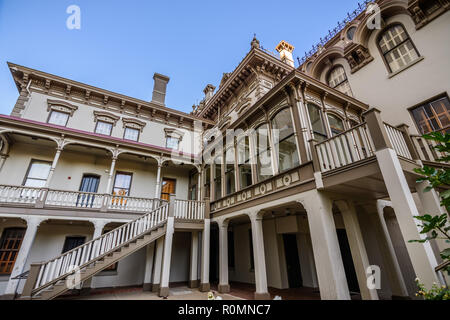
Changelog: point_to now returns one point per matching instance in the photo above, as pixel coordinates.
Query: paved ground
(178, 293)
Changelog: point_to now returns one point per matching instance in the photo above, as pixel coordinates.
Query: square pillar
(167, 253)
(327, 254)
(158, 264)
(204, 278)
(193, 272)
(150, 250)
(421, 255)
(357, 248)
(259, 258)
(224, 286)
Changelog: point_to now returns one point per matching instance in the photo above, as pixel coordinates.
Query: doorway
(292, 261)
(347, 260)
(167, 188)
(89, 184)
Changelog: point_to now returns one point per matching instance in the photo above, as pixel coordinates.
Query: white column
(98, 228)
(204, 277)
(193, 272)
(224, 286)
(158, 182)
(259, 258)
(394, 273)
(52, 168)
(421, 255)
(307, 264)
(158, 264)
(110, 175)
(167, 254)
(431, 204)
(150, 249)
(357, 248)
(327, 254)
(27, 242)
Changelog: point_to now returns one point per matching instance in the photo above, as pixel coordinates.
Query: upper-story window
(173, 138)
(337, 79)
(60, 112)
(336, 124)
(245, 168)
(397, 48)
(103, 127)
(207, 180)
(132, 128)
(433, 116)
(104, 122)
(230, 181)
(315, 116)
(218, 178)
(37, 173)
(350, 33)
(263, 152)
(284, 140)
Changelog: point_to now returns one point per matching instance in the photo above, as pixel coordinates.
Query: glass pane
(264, 163)
(287, 154)
(39, 170)
(172, 143)
(33, 183)
(283, 124)
(58, 118)
(245, 172)
(316, 122)
(131, 134)
(103, 128)
(243, 150)
(336, 124)
(122, 184)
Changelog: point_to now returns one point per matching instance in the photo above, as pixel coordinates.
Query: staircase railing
(48, 273)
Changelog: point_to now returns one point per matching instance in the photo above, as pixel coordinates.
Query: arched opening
(337, 79)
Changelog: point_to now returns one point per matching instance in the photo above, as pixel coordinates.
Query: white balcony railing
(19, 194)
(132, 204)
(189, 209)
(74, 199)
(348, 147)
(398, 141)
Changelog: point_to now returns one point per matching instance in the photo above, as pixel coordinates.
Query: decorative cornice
(66, 107)
(133, 123)
(106, 116)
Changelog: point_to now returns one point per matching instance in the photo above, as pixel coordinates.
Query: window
(207, 182)
(230, 181)
(103, 127)
(315, 116)
(218, 178)
(263, 155)
(337, 79)
(245, 168)
(284, 140)
(37, 173)
(336, 124)
(9, 248)
(89, 184)
(433, 116)
(193, 180)
(72, 242)
(230, 249)
(167, 188)
(397, 48)
(131, 134)
(172, 143)
(58, 118)
(122, 184)
(351, 33)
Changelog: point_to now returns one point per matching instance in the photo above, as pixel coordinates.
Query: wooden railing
(398, 141)
(348, 147)
(74, 199)
(59, 268)
(125, 203)
(426, 148)
(19, 194)
(189, 209)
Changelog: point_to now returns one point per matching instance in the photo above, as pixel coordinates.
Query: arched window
(337, 79)
(315, 116)
(351, 33)
(397, 48)
(336, 124)
(263, 155)
(284, 140)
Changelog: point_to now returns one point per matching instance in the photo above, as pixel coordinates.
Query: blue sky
(121, 44)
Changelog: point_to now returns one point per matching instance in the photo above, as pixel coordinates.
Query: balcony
(42, 198)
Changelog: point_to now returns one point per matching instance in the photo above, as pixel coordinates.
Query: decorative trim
(106, 116)
(173, 133)
(133, 123)
(61, 106)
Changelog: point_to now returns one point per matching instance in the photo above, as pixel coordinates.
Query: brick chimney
(159, 88)
(209, 91)
(285, 49)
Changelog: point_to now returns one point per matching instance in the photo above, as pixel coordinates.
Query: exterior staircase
(50, 279)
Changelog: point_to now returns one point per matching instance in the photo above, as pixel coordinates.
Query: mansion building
(281, 177)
